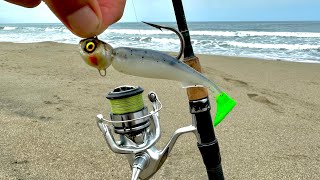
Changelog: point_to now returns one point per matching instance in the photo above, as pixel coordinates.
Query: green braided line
(127, 105)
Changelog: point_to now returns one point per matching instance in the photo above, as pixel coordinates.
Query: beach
(49, 99)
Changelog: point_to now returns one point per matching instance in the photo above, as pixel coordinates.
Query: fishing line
(138, 118)
(134, 9)
(127, 105)
(135, 13)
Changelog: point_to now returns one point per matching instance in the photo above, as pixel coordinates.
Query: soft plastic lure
(151, 64)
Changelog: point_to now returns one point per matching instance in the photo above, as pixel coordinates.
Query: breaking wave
(137, 31)
(275, 46)
(9, 28)
(255, 34)
(219, 33)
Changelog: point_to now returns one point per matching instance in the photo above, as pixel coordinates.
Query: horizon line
(231, 21)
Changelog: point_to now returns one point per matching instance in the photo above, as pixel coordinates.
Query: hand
(85, 18)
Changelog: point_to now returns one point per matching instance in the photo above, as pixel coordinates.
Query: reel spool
(126, 106)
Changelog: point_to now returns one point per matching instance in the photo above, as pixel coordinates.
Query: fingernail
(84, 22)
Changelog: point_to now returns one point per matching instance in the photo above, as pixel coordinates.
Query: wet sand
(49, 99)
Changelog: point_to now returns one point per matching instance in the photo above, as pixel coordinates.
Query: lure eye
(90, 47)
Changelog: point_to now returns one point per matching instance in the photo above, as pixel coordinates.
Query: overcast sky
(196, 10)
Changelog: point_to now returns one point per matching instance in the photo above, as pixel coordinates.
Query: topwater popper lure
(152, 64)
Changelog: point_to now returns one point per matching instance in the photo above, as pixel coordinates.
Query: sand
(49, 99)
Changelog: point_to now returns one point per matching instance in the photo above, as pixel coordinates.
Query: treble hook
(175, 31)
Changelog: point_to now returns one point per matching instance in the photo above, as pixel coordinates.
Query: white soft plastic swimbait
(142, 62)
(150, 64)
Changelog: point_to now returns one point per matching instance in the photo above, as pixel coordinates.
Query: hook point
(153, 25)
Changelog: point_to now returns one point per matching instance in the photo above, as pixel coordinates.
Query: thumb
(25, 3)
(84, 17)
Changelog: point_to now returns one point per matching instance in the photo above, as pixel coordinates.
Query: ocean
(291, 41)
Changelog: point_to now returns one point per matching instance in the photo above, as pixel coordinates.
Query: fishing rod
(200, 105)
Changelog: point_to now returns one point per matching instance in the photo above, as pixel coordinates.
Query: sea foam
(275, 46)
(9, 28)
(219, 33)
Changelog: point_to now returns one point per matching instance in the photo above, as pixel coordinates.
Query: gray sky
(196, 10)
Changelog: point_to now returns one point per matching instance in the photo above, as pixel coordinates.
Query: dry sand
(49, 99)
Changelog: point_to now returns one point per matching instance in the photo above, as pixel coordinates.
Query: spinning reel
(137, 130)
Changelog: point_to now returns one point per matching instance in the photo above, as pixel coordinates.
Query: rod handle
(195, 93)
